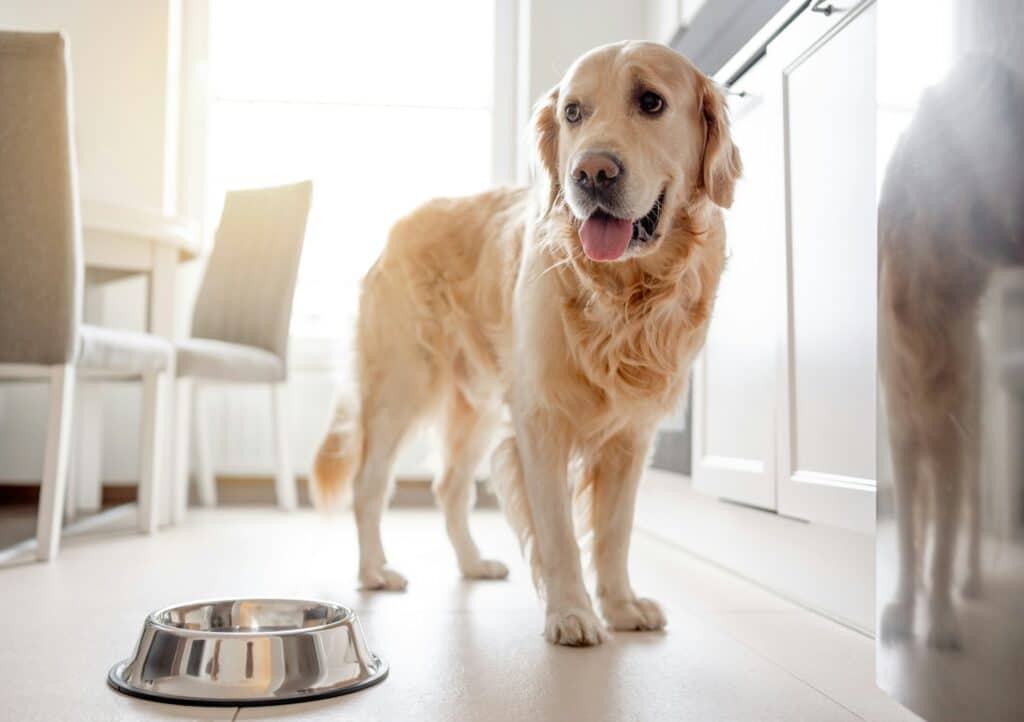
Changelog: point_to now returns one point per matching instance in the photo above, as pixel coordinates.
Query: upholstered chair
(240, 327)
(41, 269)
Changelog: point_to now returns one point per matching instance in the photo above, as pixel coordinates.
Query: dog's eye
(651, 103)
(573, 113)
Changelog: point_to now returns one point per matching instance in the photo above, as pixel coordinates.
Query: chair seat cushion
(128, 352)
(221, 361)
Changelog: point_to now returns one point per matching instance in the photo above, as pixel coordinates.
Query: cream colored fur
(489, 300)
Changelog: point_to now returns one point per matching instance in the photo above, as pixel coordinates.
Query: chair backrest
(40, 236)
(247, 291)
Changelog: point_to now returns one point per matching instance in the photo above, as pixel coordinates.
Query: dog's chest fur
(631, 342)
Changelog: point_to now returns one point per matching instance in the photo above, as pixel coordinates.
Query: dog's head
(632, 133)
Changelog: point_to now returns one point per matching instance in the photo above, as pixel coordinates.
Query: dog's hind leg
(946, 452)
(387, 419)
(466, 435)
(971, 432)
(898, 617)
(973, 585)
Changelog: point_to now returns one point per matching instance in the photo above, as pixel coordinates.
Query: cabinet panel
(734, 431)
(827, 380)
(784, 394)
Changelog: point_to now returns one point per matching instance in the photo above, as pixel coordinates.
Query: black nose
(596, 172)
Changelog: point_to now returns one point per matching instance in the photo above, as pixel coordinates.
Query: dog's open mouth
(606, 238)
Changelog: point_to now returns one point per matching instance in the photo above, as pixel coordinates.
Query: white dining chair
(41, 334)
(240, 328)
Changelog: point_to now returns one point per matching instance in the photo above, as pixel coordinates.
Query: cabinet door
(734, 397)
(826, 434)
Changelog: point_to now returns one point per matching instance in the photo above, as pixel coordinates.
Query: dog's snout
(596, 172)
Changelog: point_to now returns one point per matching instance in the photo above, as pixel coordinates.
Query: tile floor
(458, 650)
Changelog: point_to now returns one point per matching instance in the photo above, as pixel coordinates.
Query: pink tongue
(605, 238)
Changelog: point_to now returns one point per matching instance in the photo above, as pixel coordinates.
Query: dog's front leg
(614, 472)
(544, 452)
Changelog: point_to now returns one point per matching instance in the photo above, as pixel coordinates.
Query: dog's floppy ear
(545, 133)
(722, 164)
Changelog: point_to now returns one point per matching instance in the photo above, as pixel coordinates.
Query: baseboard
(19, 493)
(244, 490)
(409, 492)
(27, 494)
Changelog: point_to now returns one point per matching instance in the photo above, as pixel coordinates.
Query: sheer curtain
(383, 104)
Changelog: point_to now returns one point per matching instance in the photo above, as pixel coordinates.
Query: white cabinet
(827, 379)
(785, 393)
(734, 382)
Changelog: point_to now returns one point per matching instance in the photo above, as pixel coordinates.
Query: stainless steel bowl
(247, 652)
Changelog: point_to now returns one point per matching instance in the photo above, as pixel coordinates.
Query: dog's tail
(339, 457)
(510, 486)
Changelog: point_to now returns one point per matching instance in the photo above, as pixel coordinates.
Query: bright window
(383, 105)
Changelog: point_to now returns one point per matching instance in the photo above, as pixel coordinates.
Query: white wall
(665, 16)
(119, 66)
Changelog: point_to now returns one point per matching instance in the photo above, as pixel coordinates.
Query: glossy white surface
(826, 442)
(458, 650)
(784, 401)
(734, 384)
(951, 579)
(830, 98)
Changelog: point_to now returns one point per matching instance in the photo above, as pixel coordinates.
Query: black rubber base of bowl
(118, 686)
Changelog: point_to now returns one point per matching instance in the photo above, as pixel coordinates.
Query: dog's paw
(574, 627)
(897, 620)
(382, 578)
(629, 615)
(485, 569)
(944, 629)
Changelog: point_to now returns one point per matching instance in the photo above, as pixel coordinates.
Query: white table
(118, 242)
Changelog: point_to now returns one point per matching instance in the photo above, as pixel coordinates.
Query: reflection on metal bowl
(248, 652)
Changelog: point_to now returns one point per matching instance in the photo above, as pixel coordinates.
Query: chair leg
(182, 451)
(55, 465)
(284, 484)
(204, 458)
(151, 456)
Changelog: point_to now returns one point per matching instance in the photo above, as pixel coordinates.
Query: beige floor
(458, 650)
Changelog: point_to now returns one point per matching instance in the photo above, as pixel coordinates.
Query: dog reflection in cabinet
(951, 212)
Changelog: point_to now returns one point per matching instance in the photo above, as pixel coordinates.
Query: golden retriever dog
(950, 213)
(579, 304)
